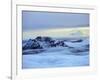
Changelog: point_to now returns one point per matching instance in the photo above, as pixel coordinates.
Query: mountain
(42, 42)
(32, 44)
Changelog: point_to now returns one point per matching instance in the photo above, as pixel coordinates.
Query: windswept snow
(47, 61)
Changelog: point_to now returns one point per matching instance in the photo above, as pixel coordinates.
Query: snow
(75, 55)
(78, 44)
(40, 61)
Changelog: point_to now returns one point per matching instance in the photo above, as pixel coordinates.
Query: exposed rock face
(41, 42)
(61, 43)
(50, 42)
(32, 44)
(39, 38)
(46, 39)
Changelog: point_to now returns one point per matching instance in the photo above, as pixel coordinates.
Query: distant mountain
(42, 42)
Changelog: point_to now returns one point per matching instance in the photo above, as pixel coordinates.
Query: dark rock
(61, 43)
(46, 39)
(39, 38)
(52, 43)
(32, 44)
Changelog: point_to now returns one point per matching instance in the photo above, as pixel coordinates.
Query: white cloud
(58, 32)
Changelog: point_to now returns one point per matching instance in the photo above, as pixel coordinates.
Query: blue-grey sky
(45, 20)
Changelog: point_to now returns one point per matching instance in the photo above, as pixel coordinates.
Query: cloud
(57, 33)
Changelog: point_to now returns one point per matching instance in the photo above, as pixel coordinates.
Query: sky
(55, 25)
(49, 20)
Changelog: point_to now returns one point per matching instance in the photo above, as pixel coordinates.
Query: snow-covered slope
(55, 53)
